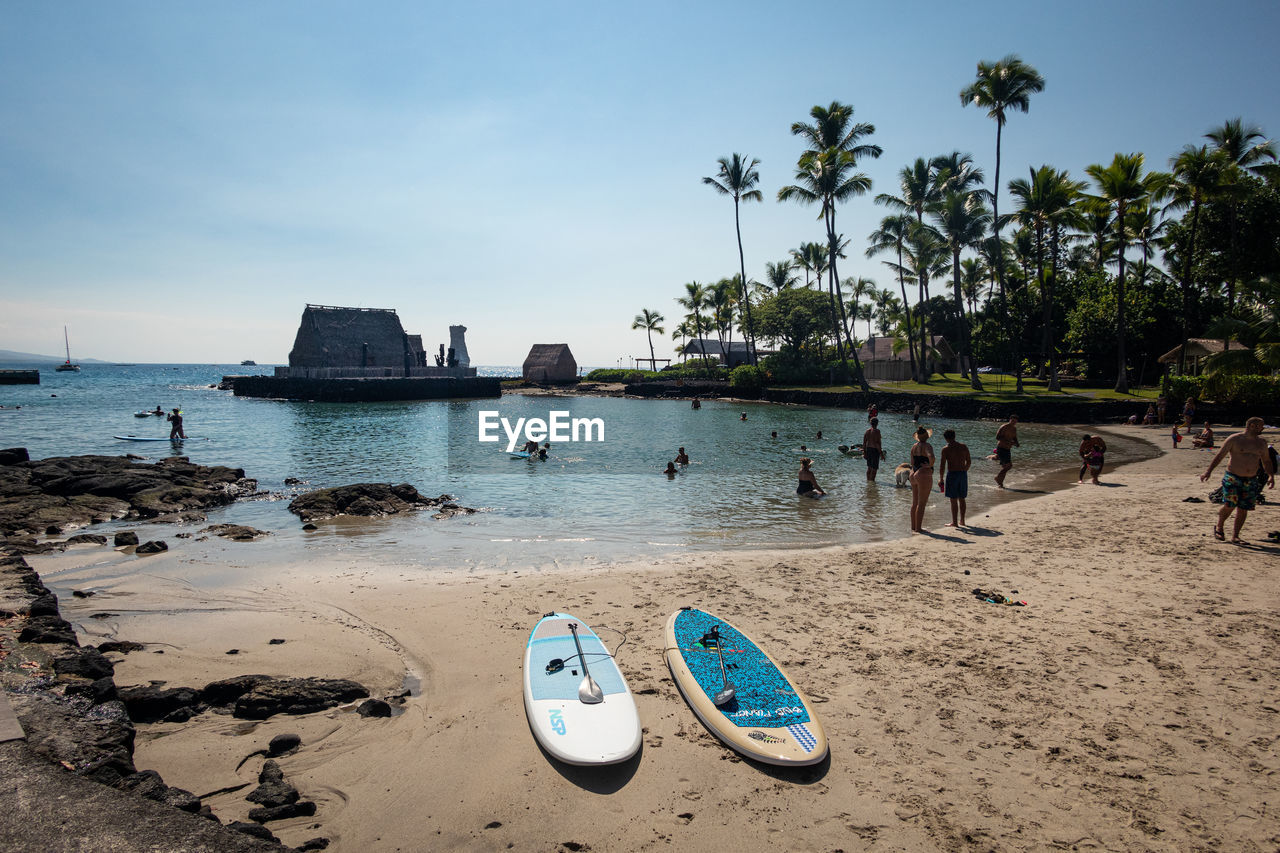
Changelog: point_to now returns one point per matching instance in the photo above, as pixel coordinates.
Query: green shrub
(1182, 387)
(747, 377)
(1227, 389)
(609, 374)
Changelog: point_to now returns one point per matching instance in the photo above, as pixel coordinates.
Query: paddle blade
(725, 696)
(589, 693)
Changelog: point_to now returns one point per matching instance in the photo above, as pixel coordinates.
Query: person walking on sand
(1092, 454)
(1006, 440)
(871, 449)
(1241, 487)
(175, 431)
(921, 478)
(954, 483)
(808, 486)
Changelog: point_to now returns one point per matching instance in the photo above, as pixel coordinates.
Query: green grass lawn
(999, 388)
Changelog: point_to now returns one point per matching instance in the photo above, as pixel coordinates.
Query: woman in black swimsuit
(921, 477)
(808, 487)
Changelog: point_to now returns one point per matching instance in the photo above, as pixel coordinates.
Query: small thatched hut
(550, 363)
(353, 337)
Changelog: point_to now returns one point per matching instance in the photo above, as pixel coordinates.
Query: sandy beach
(1131, 705)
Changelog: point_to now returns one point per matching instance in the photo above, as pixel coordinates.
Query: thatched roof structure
(550, 363)
(881, 349)
(1199, 348)
(330, 336)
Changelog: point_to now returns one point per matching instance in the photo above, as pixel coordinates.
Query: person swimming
(682, 458)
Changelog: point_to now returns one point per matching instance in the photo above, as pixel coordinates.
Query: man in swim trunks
(176, 431)
(1006, 440)
(1240, 486)
(955, 483)
(682, 458)
(871, 449)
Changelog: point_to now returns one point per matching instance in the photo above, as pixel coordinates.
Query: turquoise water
(599, 500)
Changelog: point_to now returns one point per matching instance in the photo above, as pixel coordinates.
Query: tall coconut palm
(694, 300)
(1197, 175)
(926, 258)
(1002, 87)
(1122, 184)
(955, 172)
(1045, 203)
(827, 166)
(828, 178)
(1245, 148)
(890, 235)
(737, 179)
(973, 273)
(859, 288)
(918, 189)
(650, 321)
(961, 219)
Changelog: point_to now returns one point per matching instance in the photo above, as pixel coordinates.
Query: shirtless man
(682, 458)
(871, 449)
(954, 483)
(1006, 440)
(1240, 486)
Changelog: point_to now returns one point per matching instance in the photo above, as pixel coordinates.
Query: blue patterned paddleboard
(768, 718)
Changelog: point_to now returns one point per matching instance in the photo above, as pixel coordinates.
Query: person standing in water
(808, 486)
(954, 483)
(921, 477)
(176, 431)
(1006, 440)
(871, 449)
(682, 458)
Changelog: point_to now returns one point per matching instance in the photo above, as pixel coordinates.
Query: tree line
(1098, 275)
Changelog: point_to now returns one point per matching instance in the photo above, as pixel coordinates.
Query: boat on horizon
(248, 362)
(67, 365)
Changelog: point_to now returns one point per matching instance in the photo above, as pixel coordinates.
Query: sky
(180, 180)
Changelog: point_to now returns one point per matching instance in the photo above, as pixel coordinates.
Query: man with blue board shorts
(954, 483)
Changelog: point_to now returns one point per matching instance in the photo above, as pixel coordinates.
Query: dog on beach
(902, 474)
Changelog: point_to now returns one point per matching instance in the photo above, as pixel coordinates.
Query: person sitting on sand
(922, 459)
(1205, 438)
(1006, 440)
(671, 469)
(954, 483)
(682, 458)
(1150, 417)
(808, 486)
(1241, 488)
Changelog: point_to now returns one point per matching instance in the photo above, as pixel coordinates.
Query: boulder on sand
(367, 499)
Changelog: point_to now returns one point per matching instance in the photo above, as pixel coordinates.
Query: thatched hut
(550, 363)
(329, 336)
(1198, 349)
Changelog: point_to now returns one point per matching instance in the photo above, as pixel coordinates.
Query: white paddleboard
(570, 730)
(141, 438)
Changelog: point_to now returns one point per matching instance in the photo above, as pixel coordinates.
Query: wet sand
(1129, 706)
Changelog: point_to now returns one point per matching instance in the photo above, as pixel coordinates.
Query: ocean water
(589, 501)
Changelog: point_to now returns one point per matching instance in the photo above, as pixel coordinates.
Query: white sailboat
(67, 365)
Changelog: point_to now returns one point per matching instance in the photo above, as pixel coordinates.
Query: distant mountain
(10, 357)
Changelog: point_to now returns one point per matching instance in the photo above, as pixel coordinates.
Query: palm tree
(1122, 185)
(859, 288)
(919, 190)
(1245, 148)
(1197, 175)
(1046, 203)
(780, 276)
(683, 332)
(973, 272)
(737, 178)
(867, 313)
(926, 257)
(651, 322)
(812, 258)
(694, 300)
(962, 221)
(887, 307)
(890, 235)
(955, 172)
(825, 170)
(1002, 87)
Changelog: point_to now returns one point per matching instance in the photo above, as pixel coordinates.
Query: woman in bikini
(808, 486)
(921, 477)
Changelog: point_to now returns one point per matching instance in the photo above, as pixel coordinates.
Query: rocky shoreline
(65, 696)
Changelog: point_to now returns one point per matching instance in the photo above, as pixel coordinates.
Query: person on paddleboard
(176, 431)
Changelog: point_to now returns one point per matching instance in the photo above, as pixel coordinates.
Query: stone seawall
(364, 390)
(1064, 411)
